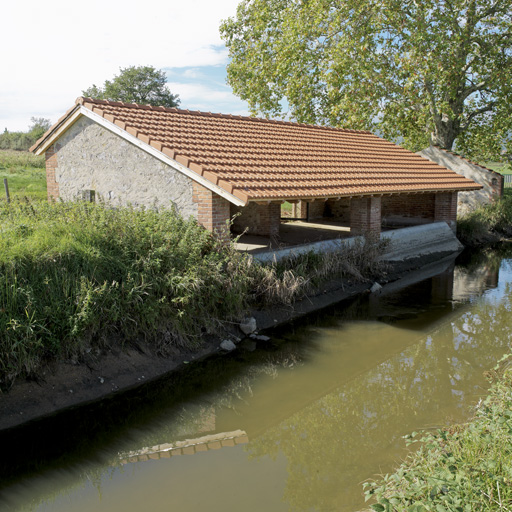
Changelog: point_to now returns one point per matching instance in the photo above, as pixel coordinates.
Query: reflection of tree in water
(331, 444)
(349, 434)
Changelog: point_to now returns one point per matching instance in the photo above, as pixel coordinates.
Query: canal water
(296, 423)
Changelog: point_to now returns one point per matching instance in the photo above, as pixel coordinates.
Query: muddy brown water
(296, 423)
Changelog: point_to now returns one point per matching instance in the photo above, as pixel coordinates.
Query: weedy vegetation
(80, 276)
(25, 173)
(487, 224)
(461, 469)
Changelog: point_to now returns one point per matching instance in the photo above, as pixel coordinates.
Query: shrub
(79, 275)
(76, 275)
(486, 224)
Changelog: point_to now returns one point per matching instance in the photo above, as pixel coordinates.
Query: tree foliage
(144, 85)
(21, 141)
(419, 71)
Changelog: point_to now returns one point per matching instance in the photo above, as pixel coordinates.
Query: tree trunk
(445, 132)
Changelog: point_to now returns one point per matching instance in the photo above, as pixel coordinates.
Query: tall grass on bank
(301, 275)
(74, 276)
(486, 224)
(461, 469)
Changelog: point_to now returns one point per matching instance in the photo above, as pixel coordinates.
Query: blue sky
(53, 50)
(204, 88)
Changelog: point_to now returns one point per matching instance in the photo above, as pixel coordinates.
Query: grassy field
(25, 175)
(501, 167)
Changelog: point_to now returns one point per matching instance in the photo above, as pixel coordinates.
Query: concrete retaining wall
(409, 243)
(420, 241)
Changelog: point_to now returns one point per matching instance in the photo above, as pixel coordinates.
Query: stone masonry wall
(491, 182)
(89, 157)
(339, 209)
(316, 209)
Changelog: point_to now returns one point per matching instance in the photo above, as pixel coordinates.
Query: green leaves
(417, 71)
(144, 85)
(73, 275)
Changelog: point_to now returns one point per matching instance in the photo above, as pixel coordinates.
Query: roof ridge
(81, 100)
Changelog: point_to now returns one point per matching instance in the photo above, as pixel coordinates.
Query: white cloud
(55, 49)
(202, 97)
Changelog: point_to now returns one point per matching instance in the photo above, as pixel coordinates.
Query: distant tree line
(22, 141)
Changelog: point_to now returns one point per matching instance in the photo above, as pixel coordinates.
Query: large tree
(420, 71)
(144, 85)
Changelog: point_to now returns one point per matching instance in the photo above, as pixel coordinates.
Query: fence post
(7, 191)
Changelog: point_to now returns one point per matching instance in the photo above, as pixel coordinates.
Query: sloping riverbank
(109, 371)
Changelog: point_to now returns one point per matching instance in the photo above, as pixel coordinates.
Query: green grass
(501, 167)
(461, 469)
(25, 175)
(78, 276)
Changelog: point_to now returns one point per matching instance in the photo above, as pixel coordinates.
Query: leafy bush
(75, 275)
(486, 224)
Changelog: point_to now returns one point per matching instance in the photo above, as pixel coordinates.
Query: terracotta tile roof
(258, 159)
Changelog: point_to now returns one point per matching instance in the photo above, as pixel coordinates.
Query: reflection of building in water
(187, 447)
(474, 282)
(410, 299)
(462, 283)
(442, 287)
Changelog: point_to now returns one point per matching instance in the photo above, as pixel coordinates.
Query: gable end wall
(467, 201)
(89, 157)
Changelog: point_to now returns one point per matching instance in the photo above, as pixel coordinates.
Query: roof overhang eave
(283, 199)
(42, 144)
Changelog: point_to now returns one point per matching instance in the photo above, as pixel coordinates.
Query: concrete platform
(293, 233)
(296, 237)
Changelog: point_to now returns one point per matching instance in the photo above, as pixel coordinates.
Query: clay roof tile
(262, 158)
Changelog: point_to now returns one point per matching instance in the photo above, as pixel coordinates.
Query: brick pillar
(365, 216)
(213, 211)
(302, 210)
(445, 209)
(51, 165)
(270, 219)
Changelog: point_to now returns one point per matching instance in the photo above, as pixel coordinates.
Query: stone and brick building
(491, 182)
(218, 167)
